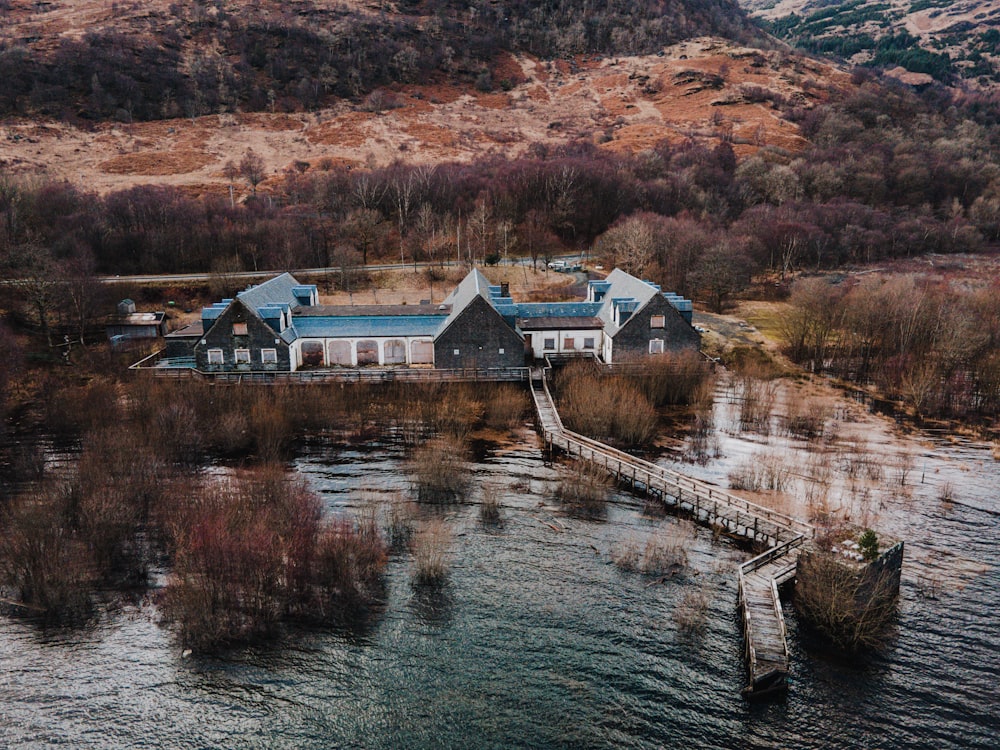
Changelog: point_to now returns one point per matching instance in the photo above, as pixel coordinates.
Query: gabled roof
(277, 291)
(628, 293)
(472, 286)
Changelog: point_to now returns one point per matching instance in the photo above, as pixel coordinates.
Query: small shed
(137, 325)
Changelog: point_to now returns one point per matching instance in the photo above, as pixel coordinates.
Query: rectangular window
(657, 321)
(239, 329)
(549, 343)
(500, 350)
(569, 344)
(456, 352)
(215, 356)
(269, 356)
(656, 346)
(242, 356)
(588, 343)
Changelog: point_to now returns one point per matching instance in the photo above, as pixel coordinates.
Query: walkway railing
(758, 578)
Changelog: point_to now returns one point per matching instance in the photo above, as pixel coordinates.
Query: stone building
(278, 326)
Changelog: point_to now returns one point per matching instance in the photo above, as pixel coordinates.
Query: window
(569, 344)
(500, 350)
(549, 344)
(242, 356)
(239, 329)
(657, 321)
(215, 356)
(588, 343)
(457, 352)
(656, 346)
(269, 356)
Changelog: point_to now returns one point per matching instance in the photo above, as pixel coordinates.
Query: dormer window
(239, 329)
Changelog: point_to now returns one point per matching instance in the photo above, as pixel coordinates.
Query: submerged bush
(584, 488)
(440, 472)
(253, 550)
(430, 552)
(851, 606)
(45, 565)
(608, 407)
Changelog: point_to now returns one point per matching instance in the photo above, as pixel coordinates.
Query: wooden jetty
(766, 648)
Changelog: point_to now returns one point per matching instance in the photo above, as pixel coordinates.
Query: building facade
(279, 326)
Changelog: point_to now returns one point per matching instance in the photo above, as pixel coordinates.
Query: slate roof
(363, 326)
(549, 309)
(621, 287)
(354, 311)
(556, 323)
(277, 291)
(194, 329)
(472, 286)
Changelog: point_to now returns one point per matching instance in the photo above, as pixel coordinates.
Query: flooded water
(538, 640)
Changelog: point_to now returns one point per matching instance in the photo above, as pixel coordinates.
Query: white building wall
(558, 339)
(379, 341)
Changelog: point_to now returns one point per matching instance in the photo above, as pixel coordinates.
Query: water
(536, 640)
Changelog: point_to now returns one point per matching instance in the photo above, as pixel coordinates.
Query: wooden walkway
(766, 647)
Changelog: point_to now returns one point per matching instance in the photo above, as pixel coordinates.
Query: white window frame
(241, 356)
(656, 346)
(657, 321)
(500, 350)
(240, 329)
(457, 352)
(216, 357)
(269, 356)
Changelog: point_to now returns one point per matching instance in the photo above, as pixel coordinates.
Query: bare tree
(252, 169)
(367, 228)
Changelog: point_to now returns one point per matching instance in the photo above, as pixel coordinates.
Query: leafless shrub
(661, 552)
(431, 552)
(605, 407)
(440, 473)
(44, 565)
(902, 465)
(806, 418)
(946, 493)
(506, 408)
(761, 471)
(491, 504)
(584, 488)
(691, 612)
(859, 461)
(853, 609)
(756, 397)
(676, 378)
(252, 550)
(400, 516)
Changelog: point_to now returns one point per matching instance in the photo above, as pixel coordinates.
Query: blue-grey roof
(472, 286)
(317, 326)
(549, 309)
(277, 291)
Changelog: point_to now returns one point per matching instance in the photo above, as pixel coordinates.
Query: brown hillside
(694, 90)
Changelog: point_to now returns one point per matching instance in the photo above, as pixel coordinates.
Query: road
(176, 278)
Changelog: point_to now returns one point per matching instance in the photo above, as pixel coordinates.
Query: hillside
(705, 89)
(94, 60)
(915, 40)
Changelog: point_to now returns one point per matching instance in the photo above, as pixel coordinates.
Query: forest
(215, 57)
(889, 173)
